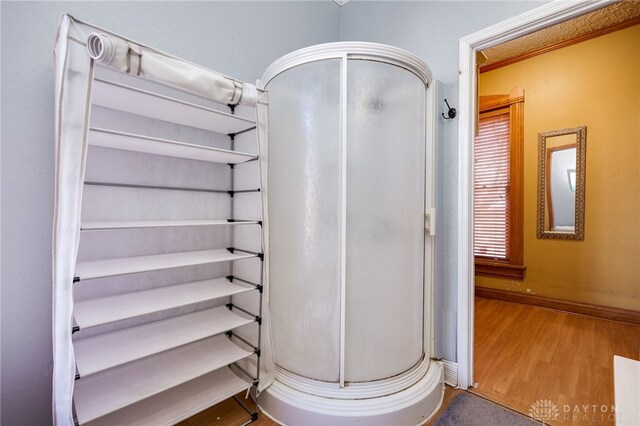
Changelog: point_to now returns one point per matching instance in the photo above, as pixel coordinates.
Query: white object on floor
(626, 382)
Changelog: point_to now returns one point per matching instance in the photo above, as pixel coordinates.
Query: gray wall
(431, 30)
(236, 38)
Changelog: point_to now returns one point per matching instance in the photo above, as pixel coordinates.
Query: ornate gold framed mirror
(561, 181)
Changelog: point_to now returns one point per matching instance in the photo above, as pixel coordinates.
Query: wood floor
(524, 354)
(227, 413)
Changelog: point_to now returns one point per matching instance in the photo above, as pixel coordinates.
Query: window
(491, 186)
(498, 186)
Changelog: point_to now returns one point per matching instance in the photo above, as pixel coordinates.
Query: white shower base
(411, 406)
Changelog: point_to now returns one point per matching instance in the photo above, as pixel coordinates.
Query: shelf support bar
(171, 188)
(258, 287)
(245, 162)
(256, 254)
(253, 379)
(233, 135)
(257, 222)
(244, 191)
(76, 422)
(230, 334)
(253, 414)
(257, 318)
(260, 313)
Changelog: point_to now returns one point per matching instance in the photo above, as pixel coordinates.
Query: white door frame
(534, 20)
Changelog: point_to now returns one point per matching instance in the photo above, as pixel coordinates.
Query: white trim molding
(343, 216)
(534, 20)
(353, 50)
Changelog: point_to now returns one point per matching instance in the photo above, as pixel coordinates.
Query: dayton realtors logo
(544, 410)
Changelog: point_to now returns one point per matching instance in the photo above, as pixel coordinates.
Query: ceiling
(627, 11)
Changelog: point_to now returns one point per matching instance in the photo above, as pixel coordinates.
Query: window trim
(514, 267)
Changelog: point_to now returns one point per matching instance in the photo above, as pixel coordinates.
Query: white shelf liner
(179, 403)
(132, 265)
(96, 226)
(91, 313)
(104, 393)
(136, 101)
(98, 353)
(132, 142)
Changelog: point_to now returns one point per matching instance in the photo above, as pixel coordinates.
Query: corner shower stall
(350, 193)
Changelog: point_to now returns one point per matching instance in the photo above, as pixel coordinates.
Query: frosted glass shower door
(385, 220)
(304, 209)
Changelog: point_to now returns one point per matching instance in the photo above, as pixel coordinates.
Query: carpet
(466, 409)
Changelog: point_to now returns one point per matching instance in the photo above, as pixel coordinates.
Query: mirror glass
(561, 183)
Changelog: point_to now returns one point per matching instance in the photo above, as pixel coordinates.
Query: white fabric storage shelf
(137, 101)
(178, 403)
(91, 313)
(139, 143)
(158, 346)
(132, 265)
(95, 354)
(104, 393)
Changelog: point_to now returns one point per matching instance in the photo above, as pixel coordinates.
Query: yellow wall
(594, 83)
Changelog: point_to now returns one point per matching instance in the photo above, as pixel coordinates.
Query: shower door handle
(430, 221)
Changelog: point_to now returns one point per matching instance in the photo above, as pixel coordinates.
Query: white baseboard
(450, 372)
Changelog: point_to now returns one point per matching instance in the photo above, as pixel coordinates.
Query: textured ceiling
(585, 24)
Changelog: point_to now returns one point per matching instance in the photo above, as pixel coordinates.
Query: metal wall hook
(451, 113)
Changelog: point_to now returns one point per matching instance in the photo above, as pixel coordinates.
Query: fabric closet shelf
(131, 265)
(139, 143)
(178, 403)
(136, 224)
(132, 100)
(91, 313)
(104, 393)
(99, 353)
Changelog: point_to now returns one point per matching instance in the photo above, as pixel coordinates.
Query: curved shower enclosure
(350, 181)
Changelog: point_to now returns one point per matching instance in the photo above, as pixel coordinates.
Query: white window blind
(491, 187)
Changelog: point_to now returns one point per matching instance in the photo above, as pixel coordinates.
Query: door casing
(534, 20)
